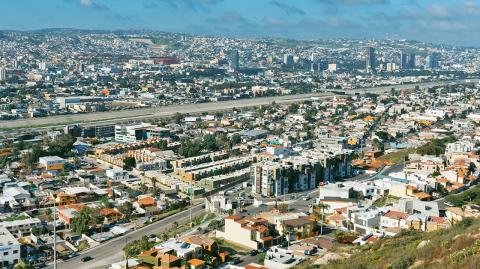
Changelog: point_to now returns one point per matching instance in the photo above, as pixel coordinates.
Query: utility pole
(126, 253)
(54, 231)
(191, 202)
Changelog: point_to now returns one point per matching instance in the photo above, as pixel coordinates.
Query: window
(15, 251)
(5, 253)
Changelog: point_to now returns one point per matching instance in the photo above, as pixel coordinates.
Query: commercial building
(370, 60)
(233, 64)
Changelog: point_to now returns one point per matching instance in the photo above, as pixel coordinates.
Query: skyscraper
(403, 59)
(3, 73)
(411, 59)
(234, 61)
(370, 61)
(288, 60)
(431, 61)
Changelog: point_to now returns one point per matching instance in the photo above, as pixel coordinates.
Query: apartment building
(20, 228)
(9, 249)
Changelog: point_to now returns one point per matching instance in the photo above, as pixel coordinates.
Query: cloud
(289, 10)
(438, 11)
(193, 5)
(353, 2)
(92, 4)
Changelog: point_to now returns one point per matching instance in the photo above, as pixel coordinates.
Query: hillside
(456, 247)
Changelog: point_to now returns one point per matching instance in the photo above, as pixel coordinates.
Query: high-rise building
(370, 61)
(403, 59)
(3, 73)
(431, 61)
(411, 60)
(234, 61)
(288, 60)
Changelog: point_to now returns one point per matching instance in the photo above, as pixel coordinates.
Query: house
(157, 258)
(219, 203)
(110, 215)
(299, 228)
(180, 249)
(366, 222)
(279, 258)
(253, 233)
(52, 162)
(394, 219)
(196, 264)
(208, 245)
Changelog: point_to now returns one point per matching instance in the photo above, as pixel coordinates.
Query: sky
(454, 22)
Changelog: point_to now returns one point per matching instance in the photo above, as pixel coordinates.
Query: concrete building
(52, 162)
(279, 258)
(9, 249)
(252, 233)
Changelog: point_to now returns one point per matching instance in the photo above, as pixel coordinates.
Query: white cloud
(87, 3)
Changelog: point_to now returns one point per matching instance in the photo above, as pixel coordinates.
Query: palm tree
(319, 212)
(154, 181)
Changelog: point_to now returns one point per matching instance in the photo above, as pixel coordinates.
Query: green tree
(126, 209)
(81, 223)
(61, 145)
(106, 202)
(129, 163)
(22, 265)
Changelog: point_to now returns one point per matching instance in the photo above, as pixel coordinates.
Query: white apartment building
(21, 228)
(9, 249)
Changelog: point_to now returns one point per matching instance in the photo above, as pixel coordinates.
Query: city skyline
(430, 21)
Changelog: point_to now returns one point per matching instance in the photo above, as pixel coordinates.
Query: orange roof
(233, 217)
(108, 211)
(396, 215)
(147, 201)
(196, 262)
(169, 258)
(439, 220)
(442, 180)
(422, 195)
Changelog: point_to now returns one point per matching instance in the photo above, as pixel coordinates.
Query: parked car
(86, 259)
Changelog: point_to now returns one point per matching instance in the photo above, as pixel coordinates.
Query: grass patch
(385, 200)
(398, 156)
(232, 248)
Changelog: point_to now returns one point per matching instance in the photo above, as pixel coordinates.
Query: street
(111, 251)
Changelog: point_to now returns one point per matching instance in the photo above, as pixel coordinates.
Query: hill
(455, 247)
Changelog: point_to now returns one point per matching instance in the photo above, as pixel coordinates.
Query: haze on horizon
(439, 21)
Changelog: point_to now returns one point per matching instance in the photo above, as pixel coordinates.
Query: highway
(165, 111)
(111, 251)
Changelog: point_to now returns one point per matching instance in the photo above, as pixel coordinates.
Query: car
(253, 252)
(306, 198)
(86, 259)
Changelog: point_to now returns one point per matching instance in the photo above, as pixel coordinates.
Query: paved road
(148, 113)
(111, 251)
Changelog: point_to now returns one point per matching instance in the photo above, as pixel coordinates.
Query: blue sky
(441, 21)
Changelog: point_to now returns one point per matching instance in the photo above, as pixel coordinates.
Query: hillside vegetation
(456, 247)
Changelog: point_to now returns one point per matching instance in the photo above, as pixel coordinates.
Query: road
(111, 251)
(165, 111)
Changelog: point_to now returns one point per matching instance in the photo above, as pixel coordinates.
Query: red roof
(396, 215)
